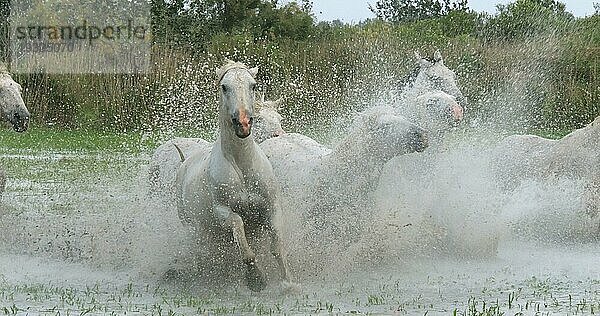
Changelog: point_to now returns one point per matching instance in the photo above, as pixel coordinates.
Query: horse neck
(408, 99)
(417, 88)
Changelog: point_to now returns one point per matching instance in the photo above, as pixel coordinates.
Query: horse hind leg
(254, 276)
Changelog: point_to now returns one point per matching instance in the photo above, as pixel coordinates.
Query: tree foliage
(4, 49)
(413, 10)
(185, 22)
(526, 18)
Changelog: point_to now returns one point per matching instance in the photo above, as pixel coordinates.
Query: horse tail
(181, 156)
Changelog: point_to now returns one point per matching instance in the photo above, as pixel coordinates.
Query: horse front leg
(277, 252)
(233, 222)
(2, 182)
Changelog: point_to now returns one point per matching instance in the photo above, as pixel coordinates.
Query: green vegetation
(162, 300)
(415, 10)
(56, 140)
(531, 58)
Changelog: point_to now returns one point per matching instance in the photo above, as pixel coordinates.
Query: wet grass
(42, 139)
(151, 299)
(38, 139)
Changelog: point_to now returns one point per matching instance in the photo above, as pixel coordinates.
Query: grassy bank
(76, 140)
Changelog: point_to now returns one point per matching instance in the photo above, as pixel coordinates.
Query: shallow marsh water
(79, 235)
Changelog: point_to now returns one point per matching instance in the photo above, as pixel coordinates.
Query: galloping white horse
(567, 168)
(167, 158)
(12, 108)
(230, 190)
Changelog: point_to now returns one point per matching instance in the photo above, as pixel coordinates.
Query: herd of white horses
(231, 192)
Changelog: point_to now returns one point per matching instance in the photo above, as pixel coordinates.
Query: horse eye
(253, 87)
(224, 88)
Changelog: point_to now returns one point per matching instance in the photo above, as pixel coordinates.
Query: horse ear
(417, 55)
(422, 61)
(260, 97)
(279, 104)
(437, 57)
(253, 71)
(259, 101)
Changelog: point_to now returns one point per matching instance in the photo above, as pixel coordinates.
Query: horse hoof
(172, 275)
(255, 278)
(290, 288)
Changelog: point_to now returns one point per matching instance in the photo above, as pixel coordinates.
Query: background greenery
(529, 66)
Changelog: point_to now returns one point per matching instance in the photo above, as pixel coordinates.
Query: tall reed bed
(545, 82)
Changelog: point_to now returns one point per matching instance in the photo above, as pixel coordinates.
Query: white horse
(433, 100)
(268, 119)
(521, 157)
(230, 191)
(347, 177)
(330, 190)
(294, 158)
(375, 136)
(567, 170)
(167, 158)
(12, 108)
(11, 103)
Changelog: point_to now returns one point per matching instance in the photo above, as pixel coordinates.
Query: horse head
(434, 77)
(440, 106)
(11, 103)
(268, 120)
(237, 96)
(388, 133)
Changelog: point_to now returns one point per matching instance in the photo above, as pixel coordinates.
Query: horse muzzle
(278, 132)
(242, 125)
(20, 123)
(457, 112)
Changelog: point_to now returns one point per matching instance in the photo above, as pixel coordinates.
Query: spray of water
(446, 201)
